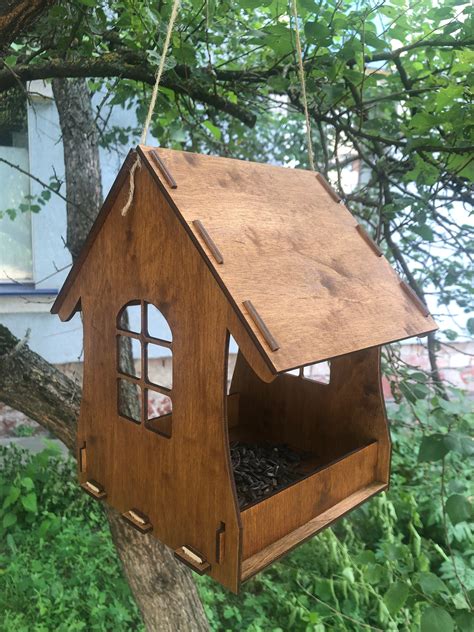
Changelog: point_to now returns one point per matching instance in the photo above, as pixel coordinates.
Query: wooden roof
(302, 276)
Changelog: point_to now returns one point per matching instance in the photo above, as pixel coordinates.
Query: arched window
(144, 367)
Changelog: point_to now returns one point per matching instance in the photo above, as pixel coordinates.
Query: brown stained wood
(233, 410)
(416, 299)
(83, 458)
(277, 549)
(365, 235)
(216, 253)
(258, 320)
(220, 544)
(137, 520)
(193, 559)
(163, 168)
(184, 494)
(94, 489)
(319, 292)
(269, 520)
(325, 184)
(292, 250)
(326, 420)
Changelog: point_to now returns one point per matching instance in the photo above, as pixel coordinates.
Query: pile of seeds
(261, 469)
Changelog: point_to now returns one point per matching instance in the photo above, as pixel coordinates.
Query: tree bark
(81, 159)
(18, 15)
(163, 588)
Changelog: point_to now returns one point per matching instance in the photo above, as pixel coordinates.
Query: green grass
(387, 566)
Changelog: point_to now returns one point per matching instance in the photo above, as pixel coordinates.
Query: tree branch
(128, 66)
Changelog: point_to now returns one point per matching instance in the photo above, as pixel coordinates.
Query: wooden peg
(83, 458)
(163, 168)
(198, 225)
(258, 320)
(94, 489)
(365, 235)
(416, 299)
(138, 520)
(192, 558)
(325, 184)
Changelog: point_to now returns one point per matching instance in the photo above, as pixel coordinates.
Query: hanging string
(151, 107)
(303, 87)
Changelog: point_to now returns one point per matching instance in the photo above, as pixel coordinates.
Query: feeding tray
(267, 255)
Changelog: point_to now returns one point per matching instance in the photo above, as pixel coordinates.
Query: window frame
(143, 383)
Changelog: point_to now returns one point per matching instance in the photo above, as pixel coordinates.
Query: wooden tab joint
(368, 239)
(94, 489)
(192, 558)
(83, 458)
(328, 188)
(220, 543)
(258, 320)
(216, 253)
(163, 169)
(415, 298)
(137, 520)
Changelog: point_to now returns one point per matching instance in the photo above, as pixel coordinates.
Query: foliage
(397, 563)
(58, 566)
(388, 92)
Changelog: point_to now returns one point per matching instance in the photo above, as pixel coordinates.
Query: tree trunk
(81, 159)
(163, 588)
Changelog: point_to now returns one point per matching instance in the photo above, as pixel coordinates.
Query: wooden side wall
(328, 420)
(183, 483)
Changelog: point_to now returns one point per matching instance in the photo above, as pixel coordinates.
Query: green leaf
(27, 483)
(424, 231)
(215, 131)
(8, 520)
(465, 621)
(11, 497)
(458, 508)
(317, 32)
(431, 583)
(435, 619)
(432, 448)
(396, 596)
(29, 502)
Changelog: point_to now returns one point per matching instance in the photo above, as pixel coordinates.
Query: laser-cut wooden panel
(274, 238)
(295, 253)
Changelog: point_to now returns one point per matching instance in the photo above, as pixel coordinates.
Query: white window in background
(15, 233)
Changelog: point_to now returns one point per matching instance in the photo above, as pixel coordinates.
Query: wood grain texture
(270, 520)
(292, 250)
(274, 551)
(185, 492)
(297, 256)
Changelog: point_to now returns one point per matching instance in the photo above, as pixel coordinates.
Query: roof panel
(295, 253)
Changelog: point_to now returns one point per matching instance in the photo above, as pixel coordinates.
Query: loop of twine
(151, 107)
(309, 140)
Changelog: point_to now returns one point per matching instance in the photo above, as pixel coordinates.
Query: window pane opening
(129, 400)
(157, 325)
(130, 317)
(319, 372)
(232, 350)
(159, 366)
(159, 409)
(129, 352)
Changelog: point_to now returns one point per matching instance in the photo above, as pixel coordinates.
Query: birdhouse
(232, 472)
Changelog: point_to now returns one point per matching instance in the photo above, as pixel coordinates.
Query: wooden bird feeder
(271, 257)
